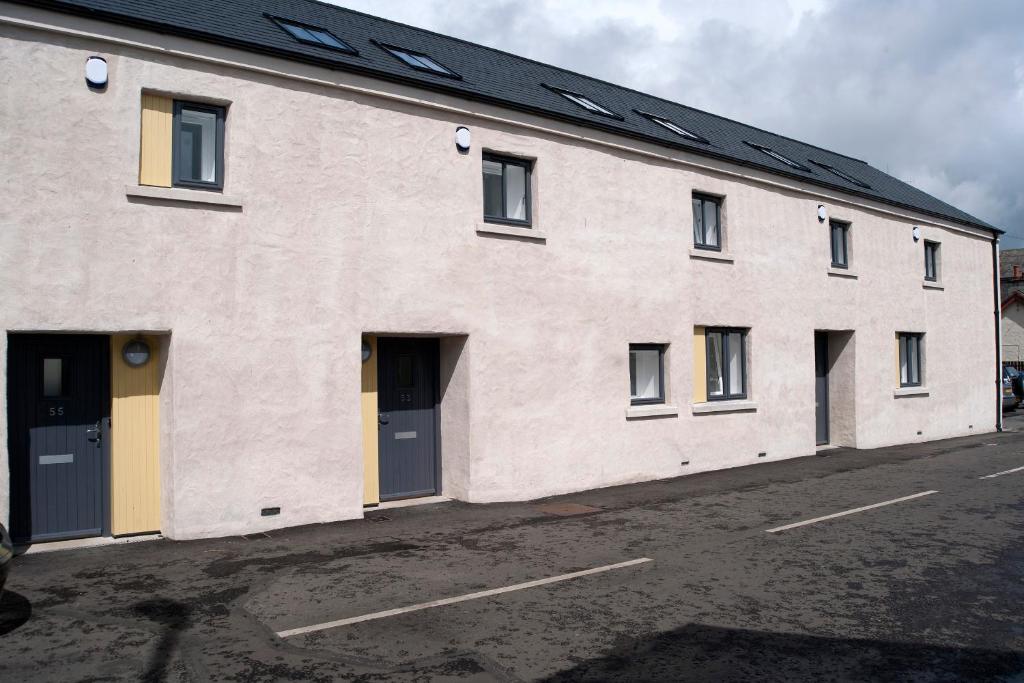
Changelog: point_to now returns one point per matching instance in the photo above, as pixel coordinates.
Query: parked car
(6, 555)
(1010, 398)
(1017, 380)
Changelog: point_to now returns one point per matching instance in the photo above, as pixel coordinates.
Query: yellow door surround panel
(371, 460)
(134, 440)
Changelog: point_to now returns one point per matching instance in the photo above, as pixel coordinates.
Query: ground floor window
(911, 348)
(646, 373)
(726, 363)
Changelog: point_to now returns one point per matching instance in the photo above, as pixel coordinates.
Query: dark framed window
(707, 222)
(840, 241)
(646, 373)
(198, 146)
(911, 365)
(931, 261)
(418, 60)
(507, 190)
(780, 157)
(313, 35)
(726, 363)
(672, 126)
(842, 174)
(584, 102)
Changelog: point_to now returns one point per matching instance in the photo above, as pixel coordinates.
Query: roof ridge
(323, 3)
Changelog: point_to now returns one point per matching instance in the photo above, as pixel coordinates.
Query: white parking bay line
(459, 598)
(848, 512)
(999, 474)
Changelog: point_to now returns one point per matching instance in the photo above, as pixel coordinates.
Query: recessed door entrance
(58, 410)
(407, 415)
(821, 407)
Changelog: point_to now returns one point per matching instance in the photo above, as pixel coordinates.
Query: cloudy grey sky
(931, 91)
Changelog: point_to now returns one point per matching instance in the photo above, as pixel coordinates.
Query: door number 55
(56, 411)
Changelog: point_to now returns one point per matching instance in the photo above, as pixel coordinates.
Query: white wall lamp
(916, 232)
(462, 139)
(822, 213)
(96, 72)
(135, 353)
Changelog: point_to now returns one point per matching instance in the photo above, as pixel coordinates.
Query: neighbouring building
(265, 263)
(1011, 280)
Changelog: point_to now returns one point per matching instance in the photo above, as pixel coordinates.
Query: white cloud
(931, 92)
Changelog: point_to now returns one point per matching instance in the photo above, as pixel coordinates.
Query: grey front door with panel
(821, 386)
(58, 390)
(407, 415)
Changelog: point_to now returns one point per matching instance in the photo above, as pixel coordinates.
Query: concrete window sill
(511, 231)
(724, 407)
(711, 255)
(928, 284)
(178, 194)
(842, 272)
(660, 410)
(910, 391)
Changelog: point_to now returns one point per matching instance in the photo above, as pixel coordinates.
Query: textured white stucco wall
(360, 216)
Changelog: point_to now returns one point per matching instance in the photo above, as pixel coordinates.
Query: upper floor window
(707, 222)
(584, 102)
(314, 35)
(727, 363)
(842, 174)
(646, 373)
(507, 190)
(911, 365)
(780, 157)
(672, 126)
(840, 240)
(931, 261)
(198, 141)
(418, 60)
(182, 143)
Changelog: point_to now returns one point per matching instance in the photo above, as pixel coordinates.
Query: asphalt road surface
(708, 577)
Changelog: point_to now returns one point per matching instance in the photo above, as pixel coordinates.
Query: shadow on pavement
(15, 610)
(708, 653)
(174, 617)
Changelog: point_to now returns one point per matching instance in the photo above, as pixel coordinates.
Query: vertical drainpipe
(999, 333)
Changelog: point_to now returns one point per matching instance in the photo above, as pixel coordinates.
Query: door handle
(94, 434)
(383, 418)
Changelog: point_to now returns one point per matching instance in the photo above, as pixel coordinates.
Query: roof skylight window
(779, 157)
(585, 102)
(674, 127)
(842, 174)
(314, 35)
(418, 60)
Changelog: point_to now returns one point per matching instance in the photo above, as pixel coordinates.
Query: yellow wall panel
(700, 366)
(371, 461)
(155, 146)
(135, 441)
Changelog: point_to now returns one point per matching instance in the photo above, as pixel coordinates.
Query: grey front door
(58, 408)
(821, 386)
(407, 413)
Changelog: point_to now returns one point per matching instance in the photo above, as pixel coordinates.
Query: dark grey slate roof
(493, 76)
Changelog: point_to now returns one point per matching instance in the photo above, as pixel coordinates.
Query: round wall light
(135, 353)
(916, 232)
(822, 213)
(96, 72)
(462, 138)
(367, 350)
